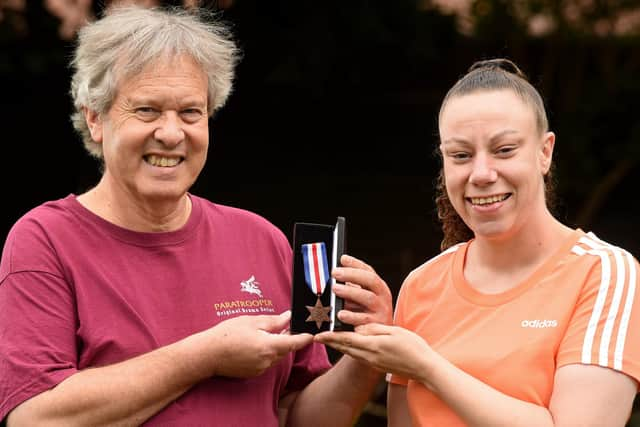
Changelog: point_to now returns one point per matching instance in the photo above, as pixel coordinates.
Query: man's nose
(170, 131)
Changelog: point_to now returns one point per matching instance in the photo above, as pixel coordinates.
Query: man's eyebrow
(146, 99)
(454, 140)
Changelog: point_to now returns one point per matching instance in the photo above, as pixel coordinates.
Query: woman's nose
(483, 171)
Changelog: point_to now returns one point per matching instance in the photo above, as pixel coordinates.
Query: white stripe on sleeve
(602, 249)
(626, 314)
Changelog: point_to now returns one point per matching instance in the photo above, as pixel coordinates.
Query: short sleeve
(606, 321)
(37, 330)
(37, 317)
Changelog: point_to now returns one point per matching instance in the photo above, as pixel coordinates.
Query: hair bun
(498, 64)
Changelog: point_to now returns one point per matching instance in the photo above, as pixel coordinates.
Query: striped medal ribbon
(316, 275)
(316, 269)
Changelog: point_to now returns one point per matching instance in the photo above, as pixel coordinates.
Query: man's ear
(94, 122)
(546, 151)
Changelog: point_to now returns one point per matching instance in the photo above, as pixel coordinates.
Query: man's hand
(246, 346)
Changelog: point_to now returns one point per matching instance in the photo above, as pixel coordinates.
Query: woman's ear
(546, 151)
(94, 122)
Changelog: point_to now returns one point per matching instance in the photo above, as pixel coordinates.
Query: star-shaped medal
(319, 313)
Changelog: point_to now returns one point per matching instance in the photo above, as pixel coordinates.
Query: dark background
(343, 97)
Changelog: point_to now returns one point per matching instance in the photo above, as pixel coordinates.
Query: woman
(521, 320)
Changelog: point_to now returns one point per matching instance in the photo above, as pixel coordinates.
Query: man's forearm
(335, 398)
(130, 392)
(126, 393)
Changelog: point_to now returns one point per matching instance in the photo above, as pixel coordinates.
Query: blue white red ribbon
(316, 269)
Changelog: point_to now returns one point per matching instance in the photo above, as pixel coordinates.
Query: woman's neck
(505, 261)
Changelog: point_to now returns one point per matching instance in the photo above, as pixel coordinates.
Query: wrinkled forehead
(170, 71)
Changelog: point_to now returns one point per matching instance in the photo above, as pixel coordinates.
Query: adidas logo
(539, 323)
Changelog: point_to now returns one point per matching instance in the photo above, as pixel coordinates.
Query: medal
(316, 275)
(318, 313)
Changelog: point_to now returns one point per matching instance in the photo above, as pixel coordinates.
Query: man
(128, 304)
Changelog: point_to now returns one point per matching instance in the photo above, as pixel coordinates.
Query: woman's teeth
(488, 200)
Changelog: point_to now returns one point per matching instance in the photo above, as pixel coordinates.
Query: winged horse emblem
(251, 286)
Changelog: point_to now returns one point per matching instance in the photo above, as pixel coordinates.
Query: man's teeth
(488, 200)
(162, 161)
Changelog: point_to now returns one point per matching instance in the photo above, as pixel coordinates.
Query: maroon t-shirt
(77, 291)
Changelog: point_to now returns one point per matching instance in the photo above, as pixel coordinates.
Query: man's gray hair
(128, 38)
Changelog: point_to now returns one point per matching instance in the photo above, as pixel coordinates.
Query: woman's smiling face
(494, 161)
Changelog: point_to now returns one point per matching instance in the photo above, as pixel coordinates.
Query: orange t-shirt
(580, 306)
